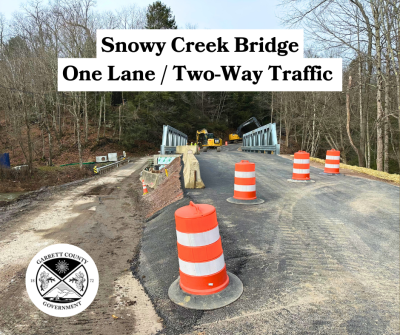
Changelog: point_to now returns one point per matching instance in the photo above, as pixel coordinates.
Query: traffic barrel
(301, 167)
(226, 143)
(201, 259)
(332, 162)
(244, 188)
(202, 267)
(144, 188)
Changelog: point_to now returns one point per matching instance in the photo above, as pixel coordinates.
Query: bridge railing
(171, 139)
(108, 167)
(262, 139)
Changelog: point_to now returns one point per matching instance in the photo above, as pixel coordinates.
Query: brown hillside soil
(44, 176)
(64, 151)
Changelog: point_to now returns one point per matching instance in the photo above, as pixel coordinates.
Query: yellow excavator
(206, 140)
(238, 135)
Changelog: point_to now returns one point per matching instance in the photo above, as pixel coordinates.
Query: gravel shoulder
(102, 217)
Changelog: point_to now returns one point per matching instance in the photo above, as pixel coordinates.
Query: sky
(205, 14)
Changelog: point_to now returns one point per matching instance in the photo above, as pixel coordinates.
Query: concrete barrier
(152, 179)
(184, 149)
(191, 171)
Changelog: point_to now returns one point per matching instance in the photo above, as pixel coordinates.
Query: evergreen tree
(159, 16)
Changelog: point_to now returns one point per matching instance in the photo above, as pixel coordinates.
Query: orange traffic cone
(301, 167)
(144, 188)
(202, 266)
(245, 184)
(332, 162)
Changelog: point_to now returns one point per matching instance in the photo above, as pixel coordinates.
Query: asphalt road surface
(315, 258)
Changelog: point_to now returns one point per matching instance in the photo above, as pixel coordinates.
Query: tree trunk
(86, 120)
(98, 128)
(50, 151)
(313, 130)
(280, 121)
(360, 84)
(78, 132)
(104, 114)
(379, 119)
(119, 124)
(368, 145)
(43, 144)
(398, 108)
(348, 121)
(30, 148)
(74, 130)
(287, 125)
(386, 119)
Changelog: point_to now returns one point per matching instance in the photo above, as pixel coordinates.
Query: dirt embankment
(20, 181)
(169, 191)
(104, 217)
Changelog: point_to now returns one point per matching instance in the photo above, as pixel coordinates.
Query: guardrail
(106, 168)
(171, 139)
(262, 139)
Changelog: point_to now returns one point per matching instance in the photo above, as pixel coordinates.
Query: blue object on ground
(5, 160)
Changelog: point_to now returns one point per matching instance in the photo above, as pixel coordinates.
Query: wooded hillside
(362, 121)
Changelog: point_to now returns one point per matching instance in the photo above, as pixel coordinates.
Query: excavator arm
(244, 124)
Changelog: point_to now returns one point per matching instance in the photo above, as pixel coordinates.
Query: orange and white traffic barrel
(202, 267)
(144, 188)
(244, 188)
(301, 167)
(201, 258)
(332, 162)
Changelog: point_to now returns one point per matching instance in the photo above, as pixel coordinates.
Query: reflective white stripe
(244, 188)
(301, 161)
(202, 269)
(239, 174)
(301, 171)
(332, 166)
(198, 239)
(333, 157)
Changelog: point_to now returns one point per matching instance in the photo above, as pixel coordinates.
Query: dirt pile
(169, 191)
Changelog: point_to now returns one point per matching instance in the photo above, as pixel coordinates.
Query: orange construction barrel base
(301, 177)
(246, 196)
(229, 294)
(256, 201)
(220, 280)
(331, 171)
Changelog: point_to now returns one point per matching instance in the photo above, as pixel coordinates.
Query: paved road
(315, 258)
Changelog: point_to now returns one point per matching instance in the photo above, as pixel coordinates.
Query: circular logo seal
(62, 280)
